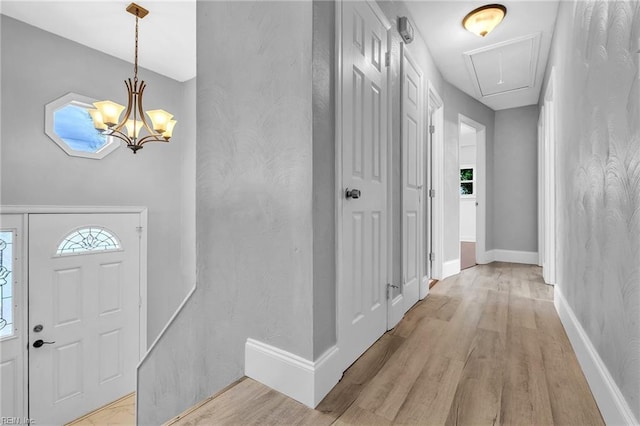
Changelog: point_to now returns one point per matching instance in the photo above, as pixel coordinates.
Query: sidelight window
(6, 283)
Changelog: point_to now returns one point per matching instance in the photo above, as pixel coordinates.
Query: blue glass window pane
(74, 126)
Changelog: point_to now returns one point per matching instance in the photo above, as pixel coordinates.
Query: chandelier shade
(107, 115)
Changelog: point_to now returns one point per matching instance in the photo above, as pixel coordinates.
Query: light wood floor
(485, 347)
(120, 412)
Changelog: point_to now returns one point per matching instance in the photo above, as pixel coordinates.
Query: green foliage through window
(466, 188)
(466, 181)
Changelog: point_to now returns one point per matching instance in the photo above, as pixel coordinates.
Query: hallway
(485, 347)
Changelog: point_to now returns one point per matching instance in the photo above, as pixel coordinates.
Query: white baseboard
(424, 287)
(450, 268)
(611, 402)
(305, 381)
(397, 311)
(512, 256)
(482, 258)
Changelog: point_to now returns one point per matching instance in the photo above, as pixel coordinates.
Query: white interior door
(428, 221)
(412, 179)
(12, 322)
(549, 168)
(84, 283)
(362, 304)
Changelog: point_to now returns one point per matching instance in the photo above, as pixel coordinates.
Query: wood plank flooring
(120, 412)
(486, 347)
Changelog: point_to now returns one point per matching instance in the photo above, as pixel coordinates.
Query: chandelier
(106, 116)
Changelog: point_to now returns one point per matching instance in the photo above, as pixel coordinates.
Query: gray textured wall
(457, 102)
(324, 154)
(39, 67)
(254, 204)
(515, 179)
(595, 54)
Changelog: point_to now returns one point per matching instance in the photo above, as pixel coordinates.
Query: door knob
(352, 193)
(41, 342)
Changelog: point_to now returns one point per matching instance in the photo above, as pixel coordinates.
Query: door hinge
(432, 128)
(387, 59)
(432, 257)
(389, 289)
(432, 193)
(139, 229)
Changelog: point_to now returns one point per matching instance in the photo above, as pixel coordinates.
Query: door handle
(352, 193)
(38, 343)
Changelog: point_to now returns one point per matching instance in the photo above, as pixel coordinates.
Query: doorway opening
(468, 192)
(472, 191)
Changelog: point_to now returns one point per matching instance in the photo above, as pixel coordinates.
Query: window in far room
(467, 181)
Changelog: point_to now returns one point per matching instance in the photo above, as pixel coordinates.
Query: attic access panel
(504, 67)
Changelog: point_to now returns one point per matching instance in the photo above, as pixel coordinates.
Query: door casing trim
(435, 112)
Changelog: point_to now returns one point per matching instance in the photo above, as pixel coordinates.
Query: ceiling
(167, 35)
(502, 70)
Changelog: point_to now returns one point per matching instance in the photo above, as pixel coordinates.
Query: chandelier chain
(135, 61)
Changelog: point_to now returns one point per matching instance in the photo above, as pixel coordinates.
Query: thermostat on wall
(405, 29)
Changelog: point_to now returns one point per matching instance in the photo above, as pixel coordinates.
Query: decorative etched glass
(89, 239)
(6, 284)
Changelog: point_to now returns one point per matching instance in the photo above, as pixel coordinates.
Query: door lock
(352, 193)
(38, 328)
(38, 343)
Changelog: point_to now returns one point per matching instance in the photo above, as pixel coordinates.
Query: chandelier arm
(130, 90)
(143, 85)
(121, 136)
(151, 138)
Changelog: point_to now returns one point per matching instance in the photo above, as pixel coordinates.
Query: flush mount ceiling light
(483, 20)
(106, 118)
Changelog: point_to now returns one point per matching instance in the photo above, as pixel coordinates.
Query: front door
(84, 283)
(362, 296)
(412, 179)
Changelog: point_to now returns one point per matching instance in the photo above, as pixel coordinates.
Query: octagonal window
(70, 126)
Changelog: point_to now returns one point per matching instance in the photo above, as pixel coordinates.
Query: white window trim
(83, 102)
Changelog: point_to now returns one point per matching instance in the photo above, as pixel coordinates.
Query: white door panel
(362, 298)
(412, 179)
(87, 304)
